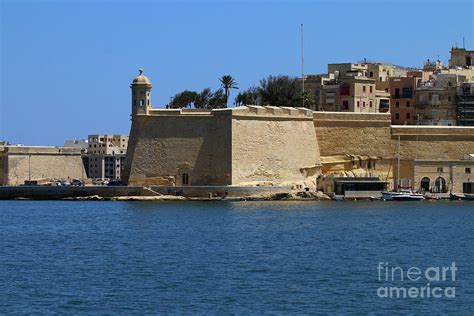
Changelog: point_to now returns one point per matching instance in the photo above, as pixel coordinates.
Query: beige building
(445, 176)
(104, 144)
(460, 57)
(353, 87)
(21, 163)
(105, 156)
(436, 101)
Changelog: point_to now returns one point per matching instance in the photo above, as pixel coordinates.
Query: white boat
(402, 195)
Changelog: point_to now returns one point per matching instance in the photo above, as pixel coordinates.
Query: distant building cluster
(433, 95)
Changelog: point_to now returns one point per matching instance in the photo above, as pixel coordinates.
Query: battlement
(239, 112)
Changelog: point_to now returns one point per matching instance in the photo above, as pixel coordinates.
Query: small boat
(402, 195)
(461, 196)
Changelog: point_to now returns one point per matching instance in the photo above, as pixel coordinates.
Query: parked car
(77, 182)
(100, 181)
(115, 183)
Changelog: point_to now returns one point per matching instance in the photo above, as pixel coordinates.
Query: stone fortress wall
(39, 162)
(240, 146)
(372, 135)
(165, 144)
(273, 144)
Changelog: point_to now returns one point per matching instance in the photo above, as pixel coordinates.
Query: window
(397, 104)
(141, 102)
(370, 89)
(407, 92)
(363, 103)
(371, 74)
(397, 92)
(440, 170)
(408, 104)
(358, 103)
(435, 98)
(345, 105)
(397, 116)
(345, 89)
(370, 103)
(468, 170)
(363, 88)
(408, 116)
(185, 179)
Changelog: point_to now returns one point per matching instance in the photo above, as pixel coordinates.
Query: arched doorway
(440, 185)
(425, 184)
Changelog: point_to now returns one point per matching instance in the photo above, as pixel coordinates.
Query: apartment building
(105, 156)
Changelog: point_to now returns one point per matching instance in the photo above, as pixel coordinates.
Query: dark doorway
(185, 179)
(467, 187)
(425, 184)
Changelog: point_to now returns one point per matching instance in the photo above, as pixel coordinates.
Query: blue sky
(66, 66)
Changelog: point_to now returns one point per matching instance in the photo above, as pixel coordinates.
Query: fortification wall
(25, 163)
(353, 134)
(166, 144)
(372, 135)
(434, 142)
(273, 144)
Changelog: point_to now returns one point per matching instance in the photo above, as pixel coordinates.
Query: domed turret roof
(141, 78)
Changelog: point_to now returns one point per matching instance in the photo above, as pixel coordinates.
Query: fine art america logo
(416, 282)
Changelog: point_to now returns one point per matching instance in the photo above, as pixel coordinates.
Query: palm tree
(227, 82)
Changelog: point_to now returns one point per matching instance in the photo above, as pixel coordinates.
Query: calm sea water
(224, 257)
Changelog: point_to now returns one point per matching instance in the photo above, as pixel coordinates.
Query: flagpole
(302, 61)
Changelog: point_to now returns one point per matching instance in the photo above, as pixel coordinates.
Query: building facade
(436, 101)
(465, 104)
(105, 156)
(460, 57)
(402, 100)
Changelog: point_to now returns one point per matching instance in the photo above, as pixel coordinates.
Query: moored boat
(461, 197)
(402, 195)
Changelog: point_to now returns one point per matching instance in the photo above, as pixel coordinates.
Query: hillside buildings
(434, 95)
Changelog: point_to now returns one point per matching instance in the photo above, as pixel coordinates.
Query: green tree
(183, 99)
(227, 83)
(306, 99)
(248, 97)
(280, 91)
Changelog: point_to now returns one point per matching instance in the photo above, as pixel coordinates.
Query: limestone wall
(372, 135)
(168, 143)
(273, 144)
(353, 134)
(239, 146)
(23, 163)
